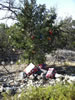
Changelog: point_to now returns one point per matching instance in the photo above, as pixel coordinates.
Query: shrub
(57, 92)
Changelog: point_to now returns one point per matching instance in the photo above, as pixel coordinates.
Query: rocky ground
(15, 82)
(12, 80)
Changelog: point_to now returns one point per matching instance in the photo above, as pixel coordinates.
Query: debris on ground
(32, 75)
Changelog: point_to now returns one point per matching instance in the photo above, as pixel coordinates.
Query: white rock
(30, 83)
(20, 75)
(11, 81)
(58, 75)
(51, 82)
(72, 78)
(22, 85)
(58, 80)
(31, 77)
(1, 89)
(67, 77)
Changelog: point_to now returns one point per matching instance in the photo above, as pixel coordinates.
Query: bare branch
(8, 7)
(11, 7)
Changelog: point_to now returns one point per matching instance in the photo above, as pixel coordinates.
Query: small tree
(37, 30)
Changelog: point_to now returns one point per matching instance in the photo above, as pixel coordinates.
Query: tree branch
(9, 6)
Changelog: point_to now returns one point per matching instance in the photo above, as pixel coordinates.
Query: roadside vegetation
(57, 92)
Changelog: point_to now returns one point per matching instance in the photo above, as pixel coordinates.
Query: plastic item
(30, 69)
(51, 73)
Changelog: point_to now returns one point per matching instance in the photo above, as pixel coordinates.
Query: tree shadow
(7, 57)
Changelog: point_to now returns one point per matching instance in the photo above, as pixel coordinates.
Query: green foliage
(31, 32)
(57, 92)
(31, 36)
(15, 36)
(67, 36)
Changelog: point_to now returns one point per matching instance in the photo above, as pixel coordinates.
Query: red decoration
(32, 37)
(50, 32)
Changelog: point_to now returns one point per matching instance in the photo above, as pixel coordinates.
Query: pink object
(51, 73)
(30, 69)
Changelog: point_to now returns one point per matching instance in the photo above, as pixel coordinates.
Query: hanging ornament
(49, 38)
(41, 37)
(31, 46)
(22, 30)
(32, 37)
(50, 32)
(33, 51)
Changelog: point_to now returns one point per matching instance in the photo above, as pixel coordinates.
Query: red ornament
(32, 37)
(50, 32)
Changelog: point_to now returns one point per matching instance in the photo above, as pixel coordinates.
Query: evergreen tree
(37, 33)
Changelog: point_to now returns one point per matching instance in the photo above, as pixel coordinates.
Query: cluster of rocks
(17, 83)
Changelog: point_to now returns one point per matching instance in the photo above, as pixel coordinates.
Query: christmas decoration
(49, 38)
(31, 46)
(50, 32)
(23, 30)
(32, 37)
(41, 37)
(33, 51)
(37, 31)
